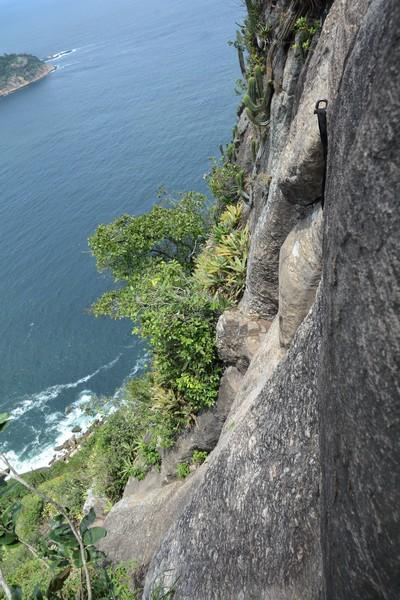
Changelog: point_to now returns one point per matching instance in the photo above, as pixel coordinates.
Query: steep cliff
(297, 500)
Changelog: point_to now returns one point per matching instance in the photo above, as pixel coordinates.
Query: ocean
(143, 100)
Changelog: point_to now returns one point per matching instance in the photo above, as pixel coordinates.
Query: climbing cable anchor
(320, 111)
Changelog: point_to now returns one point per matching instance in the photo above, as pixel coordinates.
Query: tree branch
(6, 588)
(33, 551)
(62, 510)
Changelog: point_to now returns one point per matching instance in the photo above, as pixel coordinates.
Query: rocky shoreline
(67, 449)
(47, 69)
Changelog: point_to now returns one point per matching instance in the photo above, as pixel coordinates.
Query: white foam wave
(35, 455)
(40, 457)
(61, 54)
(52, 392)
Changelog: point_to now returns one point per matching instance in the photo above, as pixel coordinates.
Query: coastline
(42, 75)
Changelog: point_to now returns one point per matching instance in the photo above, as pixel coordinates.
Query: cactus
(257, 99)
(253, 20)
(240, 184)
(239, 47)
(230, 152)
(259, 76)
(253, 90)
(254, 149)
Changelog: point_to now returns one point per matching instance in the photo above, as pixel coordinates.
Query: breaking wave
(58, 425)
(38, 400)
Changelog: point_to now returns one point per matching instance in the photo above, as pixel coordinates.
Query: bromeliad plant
(305, 30)
(221, 267)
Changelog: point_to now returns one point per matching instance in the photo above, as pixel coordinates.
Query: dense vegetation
(21, 65)
(34, 556)
(177, 267)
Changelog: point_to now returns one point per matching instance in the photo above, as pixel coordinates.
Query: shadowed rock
(359, 379)
(239, 337)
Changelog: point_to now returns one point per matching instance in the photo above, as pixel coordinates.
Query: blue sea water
(143, 100)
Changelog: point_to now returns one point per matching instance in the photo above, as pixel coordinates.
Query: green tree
(131, 244)
(155, 254)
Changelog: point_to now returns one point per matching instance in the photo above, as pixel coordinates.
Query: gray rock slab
(360, 373)
(239, 337)
(137, 523)
(251, 528)
(300, 264)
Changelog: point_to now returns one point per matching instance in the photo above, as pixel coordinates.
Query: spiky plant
(221, 267)
(257, 98)
(228, 221)
(254, 149)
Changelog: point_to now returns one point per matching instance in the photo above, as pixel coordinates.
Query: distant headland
(20, 70)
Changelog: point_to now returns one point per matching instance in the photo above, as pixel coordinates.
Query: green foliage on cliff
(306, 29)
(223, 182)
(177, 274)
(154, 254)
(29, 518)
(124, 445)
(39, 547)
(221, 267)
(21, 65)
(131, 245)
(182, 470)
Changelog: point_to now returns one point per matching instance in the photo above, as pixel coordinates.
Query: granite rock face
(300, 265)
(298, 499)
(318, 412)
(137, 524)
(359, 377)
(251, 528)
(296, 171)
(239, 337)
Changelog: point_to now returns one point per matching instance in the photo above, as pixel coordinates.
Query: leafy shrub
(120, 577)
(22, 569)
(29, 518)
(154, 254)
(182, 470)
(223, 182)
(199, 456)
(130, 244)
(115, 451)
(67, 489)
(179, 324)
